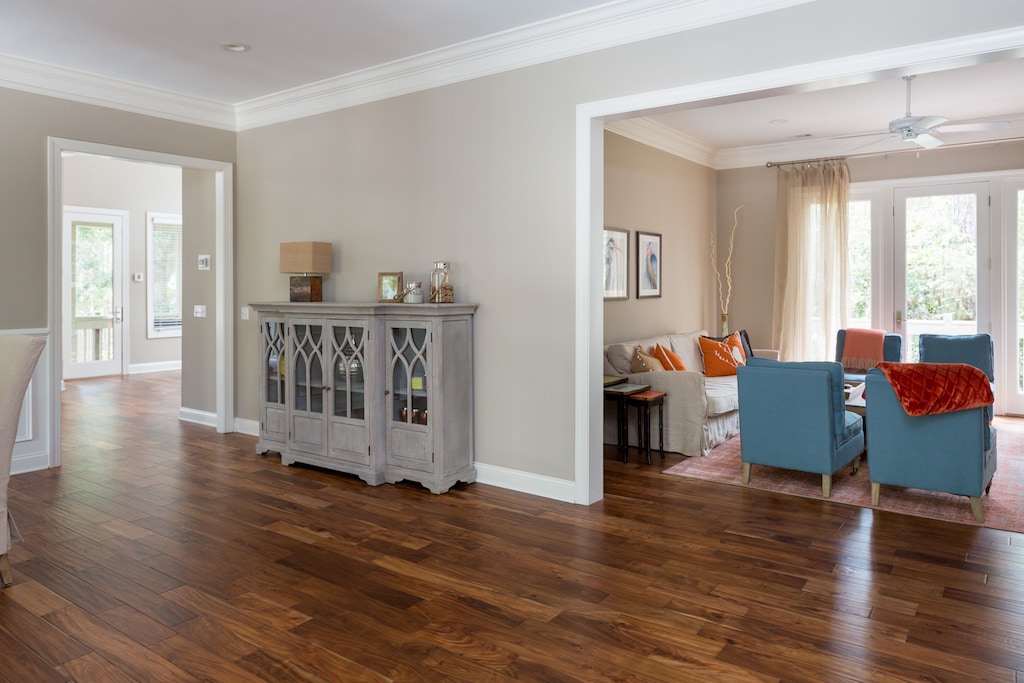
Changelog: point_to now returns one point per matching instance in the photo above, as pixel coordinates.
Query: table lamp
(312, 260)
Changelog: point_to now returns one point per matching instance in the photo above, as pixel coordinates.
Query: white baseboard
(198, 416)
(247, 427)
(140, 368)
(30, 462)
(526, 482)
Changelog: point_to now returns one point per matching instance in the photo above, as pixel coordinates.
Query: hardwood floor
(162, 551)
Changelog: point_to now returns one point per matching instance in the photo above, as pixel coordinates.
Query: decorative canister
(413, 293)
(441, 289)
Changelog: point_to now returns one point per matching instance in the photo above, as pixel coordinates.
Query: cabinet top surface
(365, 308)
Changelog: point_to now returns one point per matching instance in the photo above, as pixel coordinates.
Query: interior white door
(1013, 203)
(92, 306)
(941, 282)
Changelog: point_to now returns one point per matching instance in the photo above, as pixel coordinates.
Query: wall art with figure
(648, 264)
(616, 263)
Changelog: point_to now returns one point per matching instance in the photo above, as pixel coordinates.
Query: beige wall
(105, 183)
(199, 335)
(754, 264)
(653, 191)
(26, 121)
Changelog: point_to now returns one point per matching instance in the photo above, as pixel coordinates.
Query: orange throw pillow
(669, 358)
(721, 358)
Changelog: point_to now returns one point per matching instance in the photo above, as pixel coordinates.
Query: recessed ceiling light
(778, 122)
(236, 47)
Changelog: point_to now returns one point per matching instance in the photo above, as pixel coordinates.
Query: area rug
(1004, 505)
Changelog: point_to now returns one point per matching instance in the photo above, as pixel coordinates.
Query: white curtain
(810, 260)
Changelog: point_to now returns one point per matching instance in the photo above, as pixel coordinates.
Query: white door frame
(224, 236)
(118, 218)
(590, 119)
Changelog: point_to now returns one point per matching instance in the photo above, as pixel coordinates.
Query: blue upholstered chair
(972, 349)
(892, 350)
(952, 452)
(793, 415)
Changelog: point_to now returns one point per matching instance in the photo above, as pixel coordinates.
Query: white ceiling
(173, 49)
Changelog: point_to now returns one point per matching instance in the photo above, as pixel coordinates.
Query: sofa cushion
(744, 341)
(685, 344)
(852, 424)
(721, 358)
(722, 395)
(669, 358)
(643, 362)
(620, 355)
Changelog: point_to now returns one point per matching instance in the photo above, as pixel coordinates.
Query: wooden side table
(644, 401)
(619, 393)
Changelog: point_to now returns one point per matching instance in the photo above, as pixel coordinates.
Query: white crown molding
(655, 134)
(603, 27)
(78, 86)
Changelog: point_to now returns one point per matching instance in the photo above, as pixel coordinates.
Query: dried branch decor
(724, 294)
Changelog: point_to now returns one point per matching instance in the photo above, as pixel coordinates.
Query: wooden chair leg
(5, 570)
(856, 464)
(979, 512)
(826, 485)
(875, 490)
(746, 473)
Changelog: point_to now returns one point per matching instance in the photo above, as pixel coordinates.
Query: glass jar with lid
(441, 289)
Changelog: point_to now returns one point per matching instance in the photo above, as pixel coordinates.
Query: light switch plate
(137, 277)
(245, 313)
(199, 311)
(204, 262)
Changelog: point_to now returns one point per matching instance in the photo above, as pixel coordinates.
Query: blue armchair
(972, 349)
(892, 350)
(793, 415)
(952, 452)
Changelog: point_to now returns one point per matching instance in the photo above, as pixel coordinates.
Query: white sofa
(700, 412)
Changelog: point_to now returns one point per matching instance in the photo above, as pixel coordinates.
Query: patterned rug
(1004, 506)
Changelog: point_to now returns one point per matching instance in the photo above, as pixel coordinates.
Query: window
(163, 263)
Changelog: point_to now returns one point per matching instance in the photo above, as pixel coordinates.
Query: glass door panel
(349, 363)
(937, 253)
(307, 369)
(91, 294)
(408, 368)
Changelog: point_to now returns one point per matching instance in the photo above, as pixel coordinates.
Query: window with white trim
(164, 274)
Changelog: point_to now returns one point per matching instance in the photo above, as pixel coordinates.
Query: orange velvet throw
(863, 349)
(933, 388)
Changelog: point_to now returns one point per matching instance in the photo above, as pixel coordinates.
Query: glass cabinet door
(272, 350)
(409, 372)
(307, 368)
(348, 360)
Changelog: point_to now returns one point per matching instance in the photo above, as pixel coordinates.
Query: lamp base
(306, 288)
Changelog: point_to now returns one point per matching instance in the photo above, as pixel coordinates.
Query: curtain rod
(864, 155)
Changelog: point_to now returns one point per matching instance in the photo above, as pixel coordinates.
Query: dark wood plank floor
(162, 551)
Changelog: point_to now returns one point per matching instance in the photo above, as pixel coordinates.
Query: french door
(92, 292)
(941, 252)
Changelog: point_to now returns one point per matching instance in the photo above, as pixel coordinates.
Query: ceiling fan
(919, 129)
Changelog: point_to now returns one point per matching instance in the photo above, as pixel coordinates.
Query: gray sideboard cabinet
(382, 391)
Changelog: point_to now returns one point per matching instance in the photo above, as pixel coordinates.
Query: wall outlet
(199, 312)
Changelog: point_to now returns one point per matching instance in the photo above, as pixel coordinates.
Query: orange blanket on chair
(863, 349)
(932, 388)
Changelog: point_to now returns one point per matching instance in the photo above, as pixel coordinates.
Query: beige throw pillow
(643, 362)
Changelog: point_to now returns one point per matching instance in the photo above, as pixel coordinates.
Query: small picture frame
(615, 252)
(648, 264)
(389, 285)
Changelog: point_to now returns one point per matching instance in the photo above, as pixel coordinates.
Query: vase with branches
(725, 293)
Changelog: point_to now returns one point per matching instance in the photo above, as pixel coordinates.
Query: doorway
(92, 309)
(218, 177)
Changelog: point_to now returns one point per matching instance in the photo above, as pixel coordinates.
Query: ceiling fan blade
(927, 141)
(929, 122)
(978, 125)
(860, 135)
